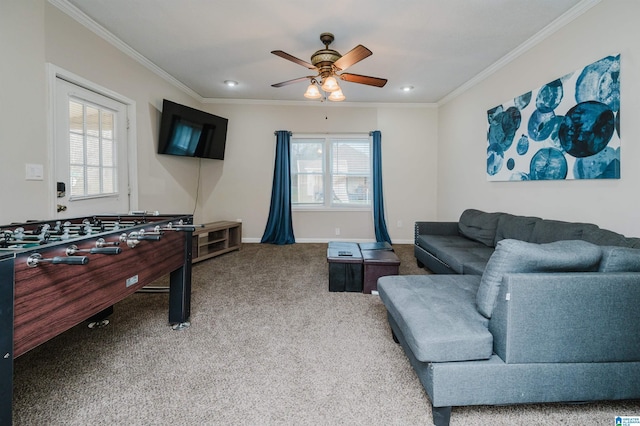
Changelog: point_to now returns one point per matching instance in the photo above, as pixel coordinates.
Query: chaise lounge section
(513, 321)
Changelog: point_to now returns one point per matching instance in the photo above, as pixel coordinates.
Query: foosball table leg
(100, 319)
(180, 289)
(6, 340)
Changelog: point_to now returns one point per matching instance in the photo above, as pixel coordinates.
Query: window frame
(328, 140)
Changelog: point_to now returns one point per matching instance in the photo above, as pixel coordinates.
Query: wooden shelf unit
(215, 239)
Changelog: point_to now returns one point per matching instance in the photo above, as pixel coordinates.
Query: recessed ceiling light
(407, 88)
(231, 83)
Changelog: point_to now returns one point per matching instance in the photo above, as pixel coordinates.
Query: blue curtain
(279, 229)
(379, 223)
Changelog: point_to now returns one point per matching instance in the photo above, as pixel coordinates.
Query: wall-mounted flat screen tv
(189, 132)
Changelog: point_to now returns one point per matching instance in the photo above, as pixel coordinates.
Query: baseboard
(326, 240)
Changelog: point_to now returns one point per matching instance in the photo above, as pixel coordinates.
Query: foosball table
(56, 274)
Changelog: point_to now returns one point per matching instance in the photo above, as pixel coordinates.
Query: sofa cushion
(632, 242)
(619, 259)
(455, 250)
(514, 256)
(604, 237)
(479, 226)
(437, 316)
(547, 231)
(474, 268)
(515, 227)
(458, 258)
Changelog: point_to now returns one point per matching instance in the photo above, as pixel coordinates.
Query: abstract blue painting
(567, 129)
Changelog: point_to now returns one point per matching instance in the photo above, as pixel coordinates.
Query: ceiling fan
(329, 65)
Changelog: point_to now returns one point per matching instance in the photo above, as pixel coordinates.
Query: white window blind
(350, 172)
(307, 171)
(92, 156)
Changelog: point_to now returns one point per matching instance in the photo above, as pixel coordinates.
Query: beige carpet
(268, 345)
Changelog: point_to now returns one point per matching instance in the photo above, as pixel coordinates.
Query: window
(92, 156)
(331, 171)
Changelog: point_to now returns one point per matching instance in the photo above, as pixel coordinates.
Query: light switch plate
(34, 172)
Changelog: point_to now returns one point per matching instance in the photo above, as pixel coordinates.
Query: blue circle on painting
(548, 164)
(493, 112)
(503, 127)
(522, 101)
(523, 145)
(549, 96)
(600, 81)
(603, 165)
(586, 129)
(511, 163)
(541, 124)
(495, 158)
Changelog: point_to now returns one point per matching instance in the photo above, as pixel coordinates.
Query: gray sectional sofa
(519, 310)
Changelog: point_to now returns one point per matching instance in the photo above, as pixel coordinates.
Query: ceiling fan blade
(295, 80)
(291, 58)
(364, 79)
(354, 56)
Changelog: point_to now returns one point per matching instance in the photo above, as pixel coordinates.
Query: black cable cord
(197, 187)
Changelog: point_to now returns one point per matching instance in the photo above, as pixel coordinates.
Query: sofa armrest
(567, 317)
(436, 228)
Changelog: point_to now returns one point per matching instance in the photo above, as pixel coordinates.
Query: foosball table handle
(36, 258)
(105, 250)
(73, 249)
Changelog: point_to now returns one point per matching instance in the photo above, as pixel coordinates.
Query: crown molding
(102, 32)
(547, 31)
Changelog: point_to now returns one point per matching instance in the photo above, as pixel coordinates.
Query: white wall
(607, 29)
(22, 110)
(241, 189)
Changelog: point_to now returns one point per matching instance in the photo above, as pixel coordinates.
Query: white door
(90, 152)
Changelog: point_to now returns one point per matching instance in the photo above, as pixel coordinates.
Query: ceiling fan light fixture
(312, 92)
(330, 84)
(337, 96)
(326, 63)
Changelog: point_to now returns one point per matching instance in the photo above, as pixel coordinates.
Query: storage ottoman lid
(344, 252)
(380, 257)
(380, 245)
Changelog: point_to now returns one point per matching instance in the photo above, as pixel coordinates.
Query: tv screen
(189, 132)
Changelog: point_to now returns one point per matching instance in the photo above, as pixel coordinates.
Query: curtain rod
(329, 133)
(335, 133)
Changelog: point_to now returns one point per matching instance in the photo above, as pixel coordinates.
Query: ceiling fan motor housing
(323, 59)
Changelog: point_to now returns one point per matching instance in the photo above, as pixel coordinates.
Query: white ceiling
(436, 46)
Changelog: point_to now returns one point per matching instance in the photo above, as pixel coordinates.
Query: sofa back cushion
(620, 259)
(479, 226)
(515, 227)
(515, 256)
(604, 237)
(547, 231)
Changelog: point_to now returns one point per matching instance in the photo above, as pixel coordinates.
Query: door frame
(54, 72)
